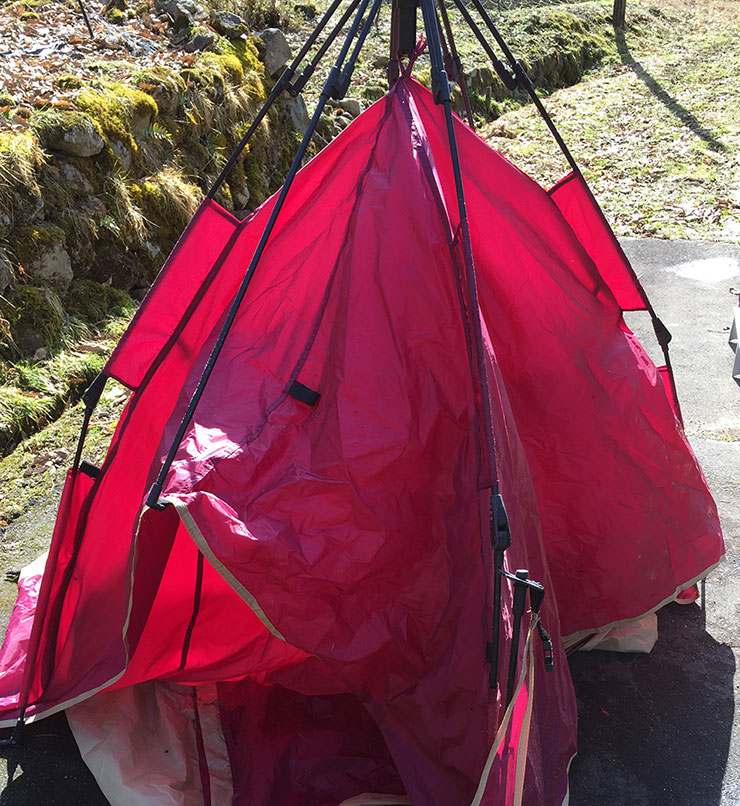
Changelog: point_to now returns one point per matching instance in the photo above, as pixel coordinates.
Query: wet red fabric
(347, 544)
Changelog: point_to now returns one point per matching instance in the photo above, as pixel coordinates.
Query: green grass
(33, 394)
(657, 133)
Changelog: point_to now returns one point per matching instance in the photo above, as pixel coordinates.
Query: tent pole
(335, 86)
(499, 524)
(453, 63)
(282, 84)
(90, 398)
(295, 88)
(498, 65)
(518, 77)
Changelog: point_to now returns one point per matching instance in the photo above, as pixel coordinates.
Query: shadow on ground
(50, 770)
(670, 103)
(654, 730)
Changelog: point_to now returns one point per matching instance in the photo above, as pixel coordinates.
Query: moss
(6, 99)
(168, 201)
(32, 240)
(372, 91)
(38, 312)
(27, 16)
(119, 110)
(50, 125)
(92, 301)
(69, 82)
(557, 46)
(116, 16)
(227, 64)
(307, 10)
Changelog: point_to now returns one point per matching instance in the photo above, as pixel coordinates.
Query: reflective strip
(527, 668)
(569, 640)
(193, 530)
(523, 745)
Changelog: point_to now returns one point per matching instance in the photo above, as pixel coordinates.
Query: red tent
(323, 578)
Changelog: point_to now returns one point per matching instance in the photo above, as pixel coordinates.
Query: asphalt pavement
(663, 729)
(654, 730)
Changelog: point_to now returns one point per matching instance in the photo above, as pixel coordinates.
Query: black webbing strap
(302, 393)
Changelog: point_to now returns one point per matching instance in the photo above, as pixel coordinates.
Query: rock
(480, 78)
(308, 10)
(277, 50)
(351, 106)
(123, 154)
(240, 197)
(141, 120)
(232, 26)
(183, 12)
(6, 274)
(80, 139)
(96, 205)
(91, 347)
(74, 180)
(41, 318)
(138, 293)
(6, 225)
(296, 108)
(167, 99)
(199, 42)
(51, 266)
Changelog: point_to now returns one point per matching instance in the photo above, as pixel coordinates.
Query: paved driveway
(663, 729)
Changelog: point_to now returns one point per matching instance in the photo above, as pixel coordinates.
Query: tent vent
(303, 393)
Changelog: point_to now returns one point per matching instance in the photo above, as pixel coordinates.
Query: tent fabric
(332, 562)
(142, 744)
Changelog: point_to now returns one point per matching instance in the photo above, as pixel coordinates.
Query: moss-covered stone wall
(98, 191)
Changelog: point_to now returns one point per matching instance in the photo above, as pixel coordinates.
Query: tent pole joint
(662, 334)
(153, 500)
(441, 86)
(90, 398)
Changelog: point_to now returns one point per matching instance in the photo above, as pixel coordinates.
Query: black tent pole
(87, 21)
(519, 77)
(94, 391)
(499, 527)
(280, 85)
(455, 63)
(338, 76)
(505, 76)
(308, 70)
